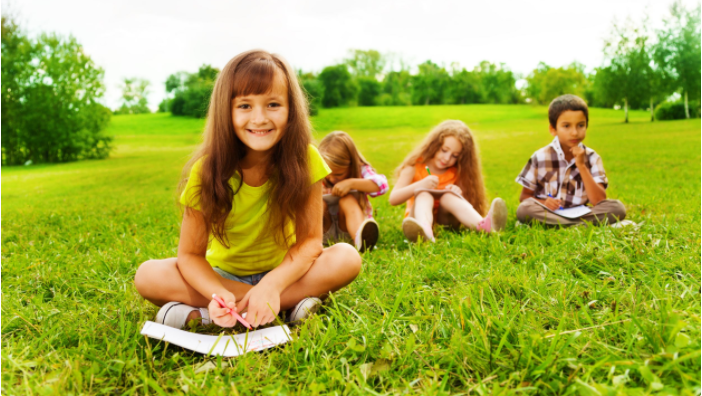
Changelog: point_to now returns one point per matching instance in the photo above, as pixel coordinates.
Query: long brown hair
(339, 150)
(253, 73)
(470, 175)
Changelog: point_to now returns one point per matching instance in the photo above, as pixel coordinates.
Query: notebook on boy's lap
(569, 213)
(225, 345)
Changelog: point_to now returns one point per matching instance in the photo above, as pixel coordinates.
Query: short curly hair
(565, 103)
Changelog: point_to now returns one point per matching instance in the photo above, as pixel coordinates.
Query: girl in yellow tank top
(442, 183)
(252, 198)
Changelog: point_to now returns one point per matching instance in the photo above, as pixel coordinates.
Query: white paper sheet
(574, 212)
(571, 213)
(227, 346)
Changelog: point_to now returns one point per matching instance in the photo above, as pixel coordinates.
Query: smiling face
(570, 129)
(260, 121)
(447, 155)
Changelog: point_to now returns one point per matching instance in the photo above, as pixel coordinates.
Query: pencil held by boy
(251, 237)
(353, 180)
(566, 173)
(442, 183)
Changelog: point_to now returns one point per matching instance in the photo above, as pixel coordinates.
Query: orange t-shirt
(446, 178)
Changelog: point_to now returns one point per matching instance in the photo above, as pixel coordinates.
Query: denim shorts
(248, 279)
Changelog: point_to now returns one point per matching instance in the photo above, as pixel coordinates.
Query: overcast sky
(152, 39)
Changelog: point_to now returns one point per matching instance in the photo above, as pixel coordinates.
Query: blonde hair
(253, 73)
(470, 175)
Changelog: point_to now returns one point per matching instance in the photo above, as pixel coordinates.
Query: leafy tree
(339, 87)
(546, 83)
(678, 51)
(313, 89)
(370, 63)
(397, 89)
(191, 91)
(623, 80)
(430, 84)
(50, 89)
(134, 101)
(369, 91)
(497, 83)
(464, 87)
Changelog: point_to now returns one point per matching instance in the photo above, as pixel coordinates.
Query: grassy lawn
(530, 311)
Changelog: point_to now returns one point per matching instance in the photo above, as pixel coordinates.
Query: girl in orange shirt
(442, 182)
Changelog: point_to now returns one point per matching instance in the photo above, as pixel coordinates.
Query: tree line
(51, 89)
(643, 69)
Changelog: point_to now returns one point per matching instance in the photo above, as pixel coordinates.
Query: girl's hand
(263, 305)
(342, 188)
(430, 182)
(221, 316)
(455, 189)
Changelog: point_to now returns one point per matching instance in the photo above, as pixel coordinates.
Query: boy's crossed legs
(607, 211)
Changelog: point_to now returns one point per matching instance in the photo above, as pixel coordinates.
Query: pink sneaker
(496, 218)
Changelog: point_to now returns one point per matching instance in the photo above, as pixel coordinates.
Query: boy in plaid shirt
(566, 173)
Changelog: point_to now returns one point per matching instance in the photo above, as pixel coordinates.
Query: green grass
(531, 311)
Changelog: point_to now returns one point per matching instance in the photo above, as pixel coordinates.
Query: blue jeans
(247, 279)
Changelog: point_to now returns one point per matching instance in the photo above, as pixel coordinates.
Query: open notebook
(570, 213)
(224, 345)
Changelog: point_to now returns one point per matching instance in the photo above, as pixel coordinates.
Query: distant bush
(314, 90)
(49, 103)
(191, 91)
(676, 110)
(369, 90)
(192, 102)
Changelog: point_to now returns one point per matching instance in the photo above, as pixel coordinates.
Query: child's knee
(148, 273)
(143, 276)
(347, 258)
(424, 196)
(348, 199)
(618, 209)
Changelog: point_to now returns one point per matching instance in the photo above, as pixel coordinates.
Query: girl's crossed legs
(453, 211)
(160, 281)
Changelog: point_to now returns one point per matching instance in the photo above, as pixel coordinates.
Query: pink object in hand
(234, 314)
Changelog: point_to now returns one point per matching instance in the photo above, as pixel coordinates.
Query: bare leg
(350, 214)
(326, 221)
(335, 268)
(160, 281)
(423, 209)
(461, 209)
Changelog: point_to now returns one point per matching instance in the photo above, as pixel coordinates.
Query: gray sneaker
(306, 307)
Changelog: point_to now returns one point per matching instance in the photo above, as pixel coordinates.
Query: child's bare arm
(197, 271)
(263, 300)
(364, 185)
(595, 191)
(404, 188)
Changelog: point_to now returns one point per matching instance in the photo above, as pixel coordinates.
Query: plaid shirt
(547, 172)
